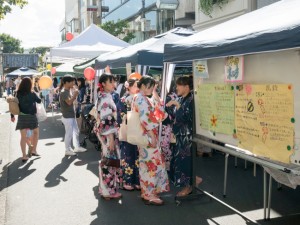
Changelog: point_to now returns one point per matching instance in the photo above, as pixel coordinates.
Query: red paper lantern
(69, 36)
(53, 70)
(89, 73)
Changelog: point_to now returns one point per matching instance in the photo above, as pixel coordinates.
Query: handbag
(41, 112)
(13, 105)
(135, 131)
(110, 162)
(93, 112)
(123, 130)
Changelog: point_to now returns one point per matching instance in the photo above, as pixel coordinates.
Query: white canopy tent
(92, 42)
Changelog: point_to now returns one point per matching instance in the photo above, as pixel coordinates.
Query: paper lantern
(135, 76)
(89, 73)
(45, 82)
(49, 66)
(53, 70)
(69, 36)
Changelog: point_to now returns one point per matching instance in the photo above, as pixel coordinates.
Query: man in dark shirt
(66, 99)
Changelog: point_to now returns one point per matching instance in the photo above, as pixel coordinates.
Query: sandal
(185, 191)
(114, 196)
(137, 187)
(128, 187)
(153, 201)
(35, 154)
(24, 160)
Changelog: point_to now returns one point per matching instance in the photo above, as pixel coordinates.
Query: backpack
(13, 105)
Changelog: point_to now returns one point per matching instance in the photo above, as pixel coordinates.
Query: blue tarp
(272, 28)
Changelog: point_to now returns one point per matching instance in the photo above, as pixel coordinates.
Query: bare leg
(23, 143)
(35, 138)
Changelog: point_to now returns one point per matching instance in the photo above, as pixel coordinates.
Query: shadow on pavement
(54, 177)
(17, 171)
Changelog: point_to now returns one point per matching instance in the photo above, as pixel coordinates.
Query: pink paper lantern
(53, 70)
(69, 36)
(89, 73)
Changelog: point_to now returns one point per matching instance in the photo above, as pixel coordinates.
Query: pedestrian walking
(66, 99)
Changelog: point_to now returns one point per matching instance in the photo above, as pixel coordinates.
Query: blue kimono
(181, 163)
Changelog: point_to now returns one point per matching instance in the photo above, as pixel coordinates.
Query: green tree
(10, 44)
(39, 50)
(118, 29)
(5, 6)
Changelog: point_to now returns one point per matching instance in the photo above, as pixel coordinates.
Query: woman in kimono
(106, 130)
(153, 175)
(129, 152)
(181, 164)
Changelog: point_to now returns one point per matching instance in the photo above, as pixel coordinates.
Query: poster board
(280, 67)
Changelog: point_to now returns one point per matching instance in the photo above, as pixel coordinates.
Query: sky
(37, 24)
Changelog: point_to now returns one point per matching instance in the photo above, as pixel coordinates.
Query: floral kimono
(167, 125)
(129, 152)
(106, 125)
(181, 164)
(153, 175)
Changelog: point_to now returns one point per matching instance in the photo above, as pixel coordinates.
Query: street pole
(1, 70)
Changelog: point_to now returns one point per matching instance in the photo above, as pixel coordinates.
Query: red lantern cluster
(89, 73)
(69, 36)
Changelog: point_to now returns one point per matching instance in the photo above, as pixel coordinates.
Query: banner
(215, 103)
(200, 68)
(264, 119)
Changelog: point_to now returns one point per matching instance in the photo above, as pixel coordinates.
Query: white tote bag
(41, 112)
(135, 134)
(123, 130)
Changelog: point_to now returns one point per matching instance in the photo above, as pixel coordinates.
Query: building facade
(229, 10)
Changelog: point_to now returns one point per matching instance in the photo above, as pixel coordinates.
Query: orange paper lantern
(69, 36)
(135, 76)
(53, 70)
(89, 73)
(45, 82)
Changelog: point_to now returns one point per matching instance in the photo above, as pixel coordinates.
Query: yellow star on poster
(213, 121)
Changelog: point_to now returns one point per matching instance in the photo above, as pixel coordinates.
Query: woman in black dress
(27, 118)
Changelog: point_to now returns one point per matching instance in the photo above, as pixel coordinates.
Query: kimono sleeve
(107, 110)
(146, 112)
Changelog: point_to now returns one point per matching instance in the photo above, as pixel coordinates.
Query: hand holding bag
(135, 131)
(40, 112)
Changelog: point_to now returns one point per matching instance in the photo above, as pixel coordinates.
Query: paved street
(52, 189)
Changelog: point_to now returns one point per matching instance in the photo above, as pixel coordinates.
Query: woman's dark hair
(104, 77)
(55, 82)
(25, 86)
(131, 82)
(82, 82)
(183, 81)
(122, 79)
(147, 81)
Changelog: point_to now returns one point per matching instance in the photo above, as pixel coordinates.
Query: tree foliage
(39, 50)
(5, 6)
(118, 29)
(10, 44)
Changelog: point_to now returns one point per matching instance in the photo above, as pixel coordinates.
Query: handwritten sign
(200, 68)
(216, 107)
(264, 120)
(234, 69)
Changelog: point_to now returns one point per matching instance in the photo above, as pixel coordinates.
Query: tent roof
(92, 42)
(149, 52)
(23, 71)
(274, 27)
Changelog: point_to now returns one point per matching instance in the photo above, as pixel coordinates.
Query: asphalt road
(53, 189)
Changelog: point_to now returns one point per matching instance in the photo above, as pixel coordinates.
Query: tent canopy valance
(274, 27)
(149, 52)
